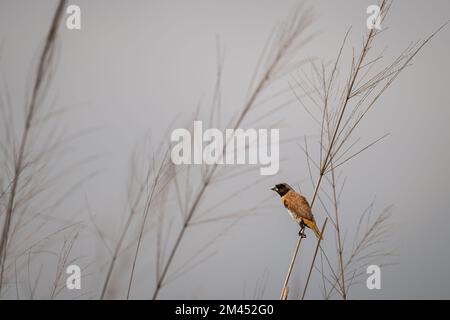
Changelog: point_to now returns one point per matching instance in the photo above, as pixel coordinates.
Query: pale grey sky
(135, 66)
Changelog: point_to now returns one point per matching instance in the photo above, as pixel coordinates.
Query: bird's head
(281, 188)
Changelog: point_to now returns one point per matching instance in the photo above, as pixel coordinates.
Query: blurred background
(134, 68)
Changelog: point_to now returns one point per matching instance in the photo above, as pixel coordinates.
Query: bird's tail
(317, 231)
(312, 225)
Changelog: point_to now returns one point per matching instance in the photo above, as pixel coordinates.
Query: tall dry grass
(338, 103)
(34, 235)
(21, 164)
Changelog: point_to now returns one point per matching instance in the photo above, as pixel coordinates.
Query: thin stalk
(314, 258)
(180, 237)
(144, 220)
(120, 243)
(284, 291)
(338, 232)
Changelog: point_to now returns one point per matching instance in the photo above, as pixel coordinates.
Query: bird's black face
(281, 189)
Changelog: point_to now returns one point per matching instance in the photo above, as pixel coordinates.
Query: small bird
(298, 208)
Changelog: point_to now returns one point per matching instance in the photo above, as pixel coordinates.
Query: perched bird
(298, 208)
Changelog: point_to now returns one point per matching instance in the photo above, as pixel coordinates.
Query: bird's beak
(274, 188)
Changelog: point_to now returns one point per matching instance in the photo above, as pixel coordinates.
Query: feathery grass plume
(20, 160)
(32, 143)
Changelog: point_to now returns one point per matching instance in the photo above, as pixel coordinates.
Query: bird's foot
(301, 234)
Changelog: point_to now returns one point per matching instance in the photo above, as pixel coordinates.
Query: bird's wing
(298, 205)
